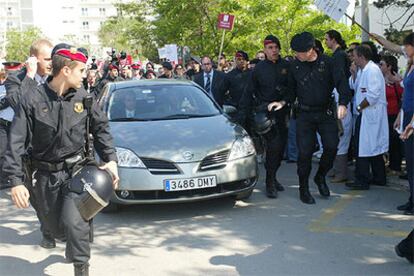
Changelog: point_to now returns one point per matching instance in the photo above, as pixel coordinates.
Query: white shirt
(40, 80)
(130, 113)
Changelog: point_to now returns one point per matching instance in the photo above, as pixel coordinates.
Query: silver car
(174, 144)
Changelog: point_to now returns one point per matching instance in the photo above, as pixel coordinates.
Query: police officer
(267, 84)
(237, 79)
(52, 119)
(312, 78)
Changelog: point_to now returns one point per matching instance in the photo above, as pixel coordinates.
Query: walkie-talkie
(87, 103)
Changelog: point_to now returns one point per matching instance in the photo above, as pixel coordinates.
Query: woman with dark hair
(336, 36)
(394, 91)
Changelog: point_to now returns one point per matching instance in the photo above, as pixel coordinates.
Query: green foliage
(193, 23)
(18, 43)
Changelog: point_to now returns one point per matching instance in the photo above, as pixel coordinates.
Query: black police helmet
(99, 180)
(262, 123)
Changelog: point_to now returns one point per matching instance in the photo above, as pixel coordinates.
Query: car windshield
(146, 103)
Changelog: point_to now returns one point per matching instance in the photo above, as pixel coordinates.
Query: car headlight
(242, 147)
(127, 158)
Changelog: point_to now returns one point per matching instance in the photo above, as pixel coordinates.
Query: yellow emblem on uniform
(78, 107)
(73, 50)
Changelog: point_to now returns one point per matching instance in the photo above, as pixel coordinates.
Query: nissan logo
(188, 155)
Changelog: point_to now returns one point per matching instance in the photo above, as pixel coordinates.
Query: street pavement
(351, 233)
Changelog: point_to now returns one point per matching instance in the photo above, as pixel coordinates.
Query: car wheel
(111, 208)
(244, 195)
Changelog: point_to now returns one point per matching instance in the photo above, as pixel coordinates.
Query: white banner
(335, 9)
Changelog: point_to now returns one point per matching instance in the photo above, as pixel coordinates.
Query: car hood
(170, 139)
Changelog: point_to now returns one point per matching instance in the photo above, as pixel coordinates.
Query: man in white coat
(371, 131)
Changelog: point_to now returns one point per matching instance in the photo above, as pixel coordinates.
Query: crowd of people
(354, 105)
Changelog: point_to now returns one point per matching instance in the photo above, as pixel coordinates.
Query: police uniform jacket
(237, 81)
(55, 128)
(312, 83)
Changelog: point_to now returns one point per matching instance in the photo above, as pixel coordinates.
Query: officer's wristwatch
(358, 108)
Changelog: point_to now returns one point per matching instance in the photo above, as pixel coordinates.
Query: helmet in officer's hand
(262, 122)
(95, 187)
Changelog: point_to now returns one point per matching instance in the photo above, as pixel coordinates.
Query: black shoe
(271, 193)
(81, 269)
(354, 186)
(409, 212)
(322, 187)
(48, 242)
(279, 187)
(305, 196)
(404, 207)
(402, 255)
(404, 176)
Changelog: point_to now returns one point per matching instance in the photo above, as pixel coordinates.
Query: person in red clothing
(394, 91)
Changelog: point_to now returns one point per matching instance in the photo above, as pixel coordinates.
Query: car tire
(244, 195)
(111, 208)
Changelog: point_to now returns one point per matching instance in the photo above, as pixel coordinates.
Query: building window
(85, 25)
(9, 24)
(84, 11)
(86, 38)
(9, 11)
(102, 11)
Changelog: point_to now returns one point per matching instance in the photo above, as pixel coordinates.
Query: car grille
(157, 166)
(215, 161)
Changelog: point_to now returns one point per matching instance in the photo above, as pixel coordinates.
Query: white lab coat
(347, 124)
(373, 137)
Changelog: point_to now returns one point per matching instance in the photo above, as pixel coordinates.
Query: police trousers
(56, 209)
(307, 125)
(275, 142)
(4, 130)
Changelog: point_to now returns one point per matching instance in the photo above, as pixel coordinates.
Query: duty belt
(309, 108)
(68, 163)
(5, 122)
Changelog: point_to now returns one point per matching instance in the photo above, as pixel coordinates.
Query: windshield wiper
(129, 120)
(184, 116)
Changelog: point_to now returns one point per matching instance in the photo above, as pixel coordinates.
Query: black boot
(48, 241)
(81, 269)
(279, 187)
(271, 191)
(405, 206)
(322, 187)
(304, 194)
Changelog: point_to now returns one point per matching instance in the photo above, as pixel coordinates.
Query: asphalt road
(352, 233)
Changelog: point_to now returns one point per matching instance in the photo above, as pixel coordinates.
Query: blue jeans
(409, 155)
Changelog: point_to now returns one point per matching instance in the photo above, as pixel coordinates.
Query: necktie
(208, 84)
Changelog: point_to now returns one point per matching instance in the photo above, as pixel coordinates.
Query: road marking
(322, 223)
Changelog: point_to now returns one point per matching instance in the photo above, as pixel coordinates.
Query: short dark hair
(409, 40)
(333, 34)
(58, 62)
(363, 51)
(375, 57)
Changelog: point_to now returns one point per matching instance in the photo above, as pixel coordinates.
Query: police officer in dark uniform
(52, 120)
(237, 79)
(312, 78)
(268, 83)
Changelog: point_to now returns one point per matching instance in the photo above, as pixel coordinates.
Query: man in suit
(126, 109)
(211, 80)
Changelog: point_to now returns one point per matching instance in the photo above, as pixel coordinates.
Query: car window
(160, 102)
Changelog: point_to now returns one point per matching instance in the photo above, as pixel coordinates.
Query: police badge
(78, 107)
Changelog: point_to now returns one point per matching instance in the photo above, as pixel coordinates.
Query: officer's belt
(68, 164)
(309, 108)
(5, 122)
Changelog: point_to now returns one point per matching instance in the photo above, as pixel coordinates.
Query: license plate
(172, 185)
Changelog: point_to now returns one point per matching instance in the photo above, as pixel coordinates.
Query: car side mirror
(229, 109)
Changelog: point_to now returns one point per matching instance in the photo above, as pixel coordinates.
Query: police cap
(12, 65)
(242, 54)
(167, 65)
(272, 39)
(302, 42)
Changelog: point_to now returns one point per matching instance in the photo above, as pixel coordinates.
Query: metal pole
(365, 20)
(221, 45)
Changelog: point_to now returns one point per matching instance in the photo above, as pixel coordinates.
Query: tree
(193, 23)
(18, 43)
(391, 32)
